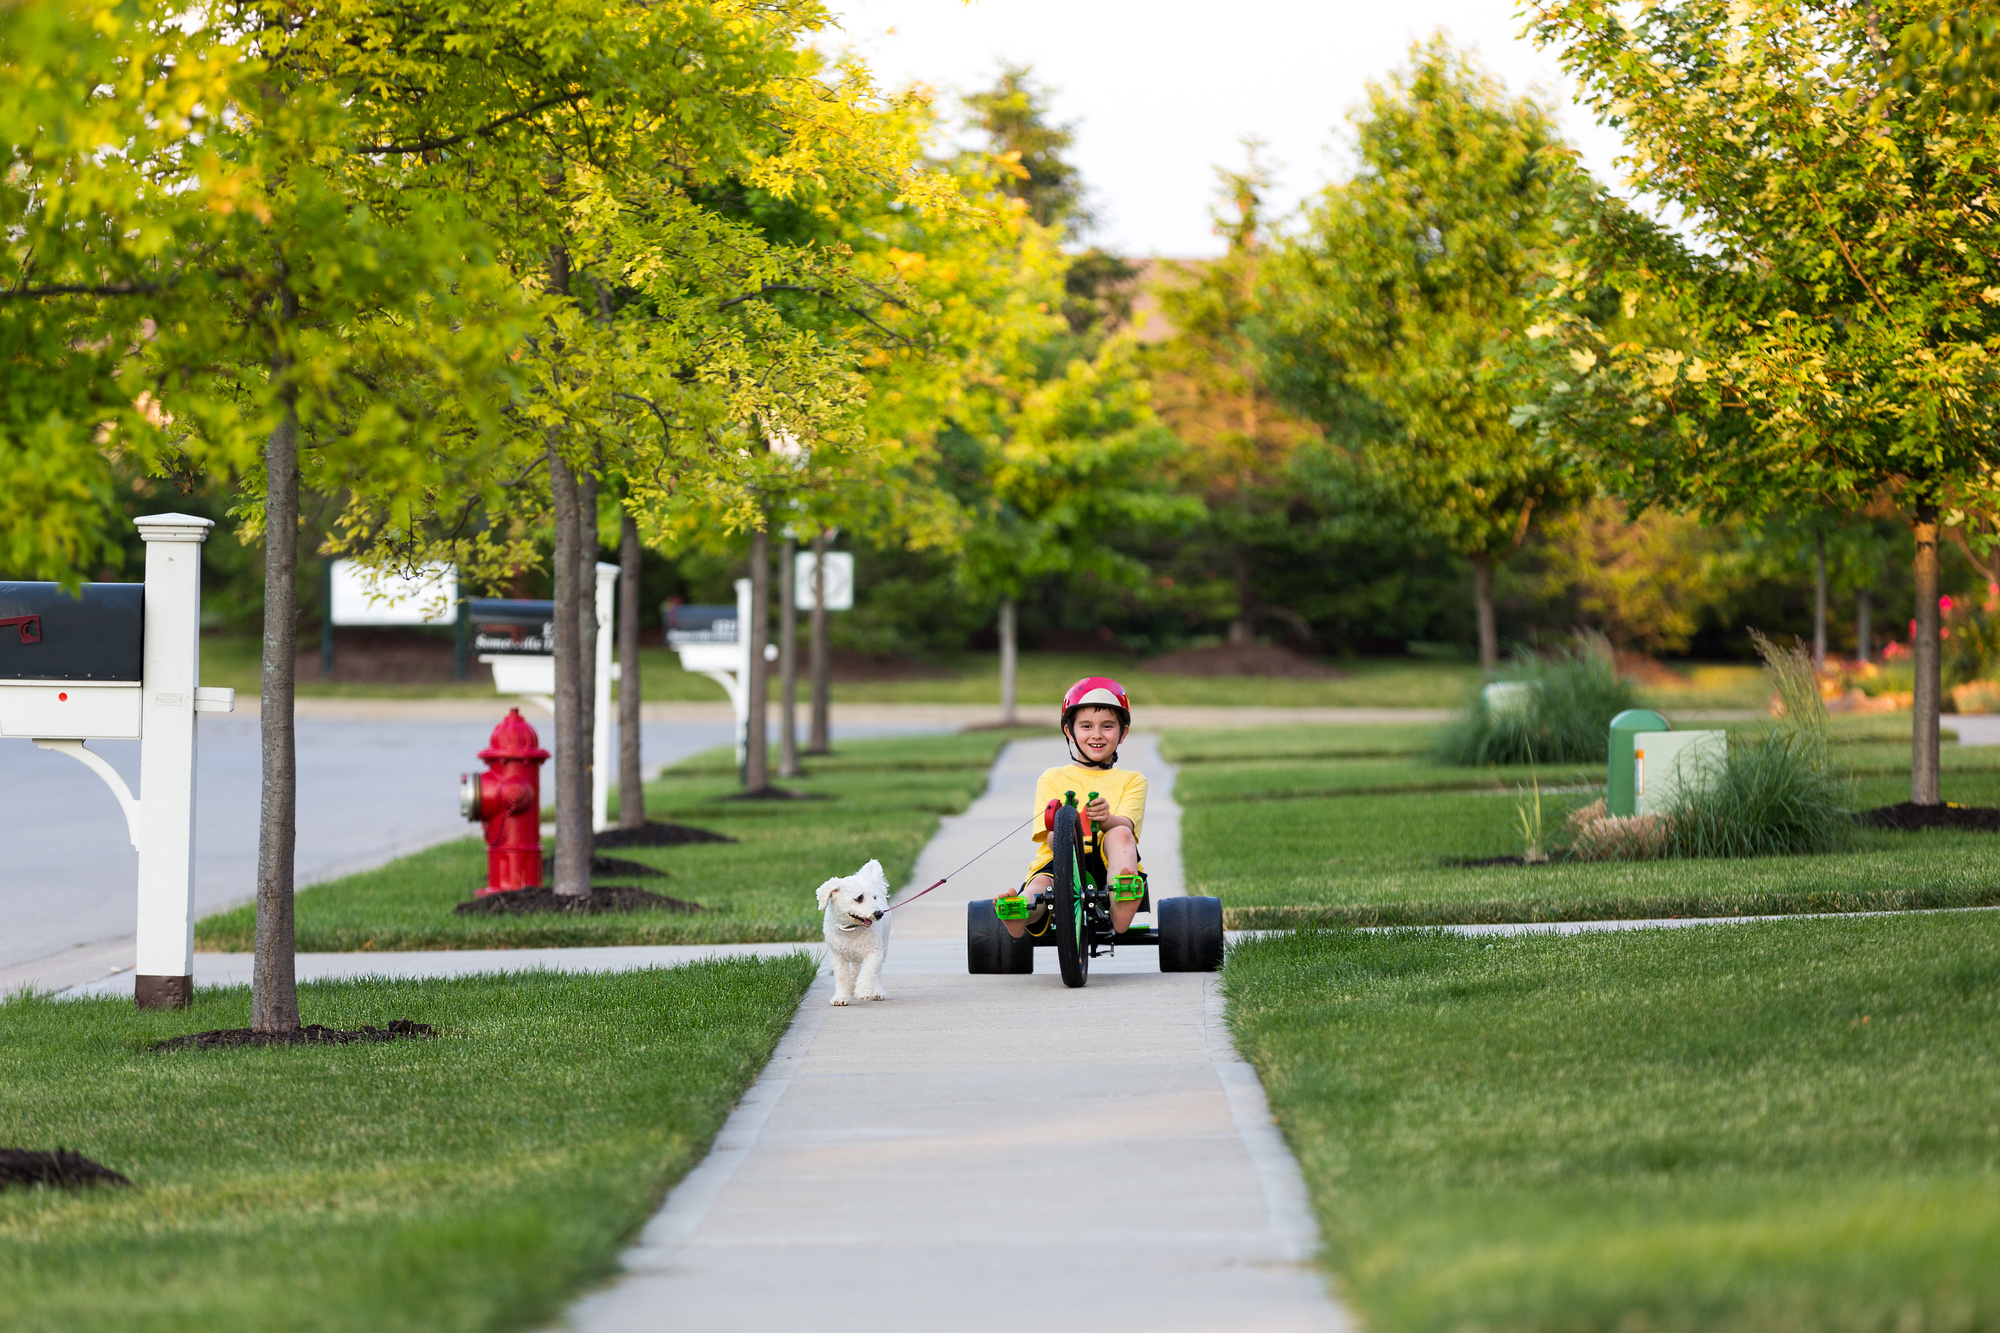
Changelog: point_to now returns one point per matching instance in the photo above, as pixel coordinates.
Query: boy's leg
(1037, 886)
(1121, 857)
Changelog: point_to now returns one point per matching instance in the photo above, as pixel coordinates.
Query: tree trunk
(1819, 600)
(1482, 610)
(631, 789)
(1863, 631)
(586, 652)
(1010, 661)
(756, 745)
(788, 657)
(821, 741)
(1924, 657)
(572, 744)
(1242, 629)
(274, 994)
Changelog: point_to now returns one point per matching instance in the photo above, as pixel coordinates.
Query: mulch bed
(312, 1034)
(1548, 860)
(618, 865)
(59, 1170)
(605, 898)
(1910, 817)
(775, 794)
(657, 833)
(1257, 660)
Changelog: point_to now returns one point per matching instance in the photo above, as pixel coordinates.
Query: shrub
(1597, 836)
(1775, 797)
(1566, 717)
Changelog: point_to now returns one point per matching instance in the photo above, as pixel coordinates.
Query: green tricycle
(1188, 930)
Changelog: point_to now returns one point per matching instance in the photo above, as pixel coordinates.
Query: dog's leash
(1008, 834)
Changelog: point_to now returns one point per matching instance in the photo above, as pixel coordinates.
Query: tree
(1387, 321)
(1080, 463)
(1208, 387)
(113, 114)
(1825, 335)
(308, 262)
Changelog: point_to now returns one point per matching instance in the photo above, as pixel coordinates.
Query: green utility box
(1621, 794)
(1665, 760)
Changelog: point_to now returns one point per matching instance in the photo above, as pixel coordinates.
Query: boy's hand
(1099, 810)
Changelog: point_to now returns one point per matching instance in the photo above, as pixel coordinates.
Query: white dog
(857, 930)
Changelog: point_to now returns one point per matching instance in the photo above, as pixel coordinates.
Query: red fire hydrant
(507, 798)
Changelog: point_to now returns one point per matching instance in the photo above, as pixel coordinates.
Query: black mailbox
(96, 633)
(700, 624)
(512, 626)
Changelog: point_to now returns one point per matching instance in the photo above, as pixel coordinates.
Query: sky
(1162, 92)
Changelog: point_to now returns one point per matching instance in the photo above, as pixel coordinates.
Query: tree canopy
(1389, 316)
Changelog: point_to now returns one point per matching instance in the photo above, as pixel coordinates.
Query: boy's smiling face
(1097, 732)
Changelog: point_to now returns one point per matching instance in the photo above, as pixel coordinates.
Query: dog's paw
(838, 999)
(878, 995)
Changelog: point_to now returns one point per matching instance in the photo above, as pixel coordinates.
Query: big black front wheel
(1191, 935)
(1072, 939)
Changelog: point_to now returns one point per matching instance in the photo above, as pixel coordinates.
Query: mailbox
(517, 638)
(512, 627)
(699, 624)
(97, 633)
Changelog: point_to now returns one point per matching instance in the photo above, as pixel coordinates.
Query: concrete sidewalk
(992, 1152)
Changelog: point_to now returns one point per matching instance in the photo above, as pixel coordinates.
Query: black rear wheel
(1190, 934)
(1072, 941)
(989, 948)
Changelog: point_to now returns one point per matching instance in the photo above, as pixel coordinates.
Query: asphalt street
(370, 789)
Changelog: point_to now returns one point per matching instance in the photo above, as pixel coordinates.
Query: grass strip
(1790, 1125)
(883, 801)
(474, 1181)
(1301, 837)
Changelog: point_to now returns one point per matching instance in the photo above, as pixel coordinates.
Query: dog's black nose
(878, 916)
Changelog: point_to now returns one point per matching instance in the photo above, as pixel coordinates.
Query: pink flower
(1944, 605)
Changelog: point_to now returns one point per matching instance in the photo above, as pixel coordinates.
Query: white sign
(1667, 760)
(364, 596)
(839, 580)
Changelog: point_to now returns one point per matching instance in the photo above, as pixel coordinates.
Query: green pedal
(1014, 907)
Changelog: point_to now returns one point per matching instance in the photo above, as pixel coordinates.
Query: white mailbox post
(123, 662)
(710, 643)
(531, 674)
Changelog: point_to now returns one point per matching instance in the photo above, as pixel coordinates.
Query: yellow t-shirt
(1124, 788)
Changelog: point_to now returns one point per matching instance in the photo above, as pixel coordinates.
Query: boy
(1096, 718)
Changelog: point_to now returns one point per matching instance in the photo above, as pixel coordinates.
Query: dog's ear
(826, 890)
(872, 874)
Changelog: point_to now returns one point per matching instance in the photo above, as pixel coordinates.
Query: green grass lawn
(1733, 1129)
(476, 1181)
(1357, 826)
(884, 801)
(232, 660)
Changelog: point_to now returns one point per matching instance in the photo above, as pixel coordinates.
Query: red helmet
(1097, 692)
